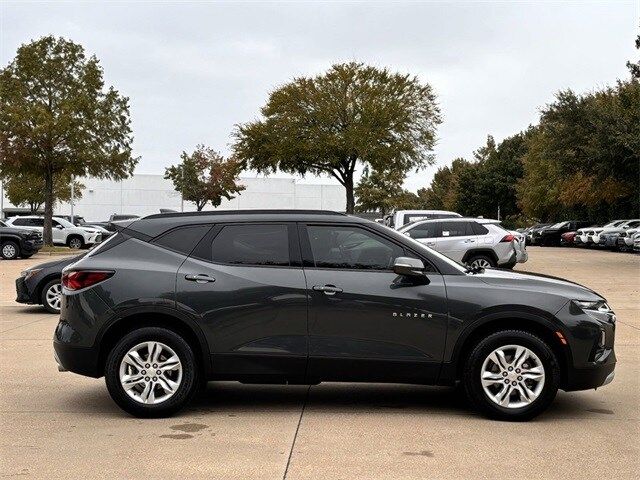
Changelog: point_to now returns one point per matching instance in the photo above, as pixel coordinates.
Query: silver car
(476, 242)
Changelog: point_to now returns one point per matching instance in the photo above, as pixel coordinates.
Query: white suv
(63, 231)
(476, 242)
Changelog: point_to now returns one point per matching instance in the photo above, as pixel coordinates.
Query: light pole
(72, 198)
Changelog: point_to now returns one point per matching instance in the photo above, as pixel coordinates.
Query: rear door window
(425, 230)
(266, 245)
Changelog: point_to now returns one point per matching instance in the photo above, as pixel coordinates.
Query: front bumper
(597, 376)
(22, 292)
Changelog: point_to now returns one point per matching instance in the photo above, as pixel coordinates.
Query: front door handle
(327, 289)
(199, 278)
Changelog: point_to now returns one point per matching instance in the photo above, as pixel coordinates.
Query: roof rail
(244, 212)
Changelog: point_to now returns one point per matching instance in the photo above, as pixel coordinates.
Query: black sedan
(551, 236)
(41, 284)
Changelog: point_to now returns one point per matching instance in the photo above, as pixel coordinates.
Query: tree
(382, 192)
(25, 189)
(584, 158)
(443, 191)
(205, 176)
(57, 120)
(351, 115)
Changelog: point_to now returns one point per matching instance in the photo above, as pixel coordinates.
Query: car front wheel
(511, 375)
(151, 372)
(75, 242)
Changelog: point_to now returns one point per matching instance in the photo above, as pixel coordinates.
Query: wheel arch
(515, 320)
(480, 251)
(159, 317)
(43, 282)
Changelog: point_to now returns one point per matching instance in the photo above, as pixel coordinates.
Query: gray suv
(477, 242)
(174, 300)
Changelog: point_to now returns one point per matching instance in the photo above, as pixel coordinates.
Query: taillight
(508, 238)
(76, 280)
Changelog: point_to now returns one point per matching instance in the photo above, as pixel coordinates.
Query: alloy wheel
(512, 376)
(480, 263)
(54, 295)
(75, 243)
(9, 251)
(150, 373)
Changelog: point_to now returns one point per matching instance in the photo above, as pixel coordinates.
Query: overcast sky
(192, 70)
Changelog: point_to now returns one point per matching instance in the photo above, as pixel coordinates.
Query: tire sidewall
(190, 375)
(16, 249)
(43, 296)
(472, 375)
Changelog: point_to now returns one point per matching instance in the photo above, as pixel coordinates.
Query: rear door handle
(327, 289)
(199, 278)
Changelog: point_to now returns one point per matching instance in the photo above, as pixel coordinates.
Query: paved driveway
(60, 425)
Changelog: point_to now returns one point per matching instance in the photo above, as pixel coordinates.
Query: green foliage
(352, 114)
(443, 192)
(205, 176)
(26, 189)
(383, 192)
(58, 120)
(584, 157)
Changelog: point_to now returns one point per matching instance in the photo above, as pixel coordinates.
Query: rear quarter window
(182, 239)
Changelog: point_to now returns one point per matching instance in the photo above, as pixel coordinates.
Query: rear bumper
(80, 360)
(30, 246)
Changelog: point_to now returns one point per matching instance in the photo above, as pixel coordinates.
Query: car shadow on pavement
(231, 398)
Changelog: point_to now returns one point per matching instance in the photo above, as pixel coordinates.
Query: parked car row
(616, 235)
(21, 236)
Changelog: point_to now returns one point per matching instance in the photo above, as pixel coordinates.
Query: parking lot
(60, 425)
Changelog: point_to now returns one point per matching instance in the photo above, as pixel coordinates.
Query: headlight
(596, 309)
(27, 274)
(598, 305)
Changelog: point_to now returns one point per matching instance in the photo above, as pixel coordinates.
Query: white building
(146, 194)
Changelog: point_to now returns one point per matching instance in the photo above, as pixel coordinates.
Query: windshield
(64, 223)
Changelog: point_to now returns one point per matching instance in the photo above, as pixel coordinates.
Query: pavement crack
(295, 435)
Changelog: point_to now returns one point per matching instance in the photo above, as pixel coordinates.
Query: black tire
(186, 389)
(72, 242)
(487, 258)
(43, 296)
(473, 367)
(9, 250)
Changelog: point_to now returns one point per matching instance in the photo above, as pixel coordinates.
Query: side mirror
(411, 267)
(59, 227)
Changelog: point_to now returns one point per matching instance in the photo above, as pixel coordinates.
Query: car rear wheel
(481, 261)
(511, 375)
(151, 372)
(9, 250)
(75, 242)
(51, 296)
